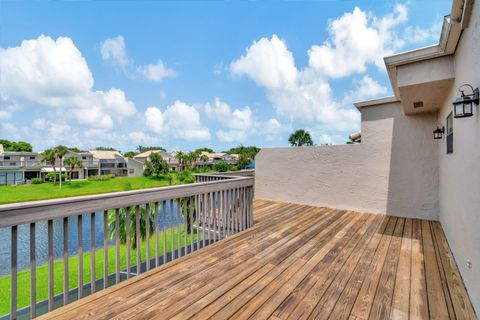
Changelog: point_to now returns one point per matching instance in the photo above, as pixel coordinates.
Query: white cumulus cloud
(179, 121)
(113, 49)
(269, 63)
(156, 72)
(53, 73)
(357, 39)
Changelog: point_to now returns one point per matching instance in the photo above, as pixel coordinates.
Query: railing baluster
(204, 220)
(215, 215)
(138, 238)
(117, 245)
(191, 209)
(127, 234)
(65, 261)
(179, 227)
(33, 273)
(209, 208)
(147, 226)
(185, 224)
(80, 255)
(244, 215)
(13, 266)
(92, 253)
(164, 228)
(105, 249)
(227, 211)
(224, 213)
(50, 265)
(155, 219)
(172, 231)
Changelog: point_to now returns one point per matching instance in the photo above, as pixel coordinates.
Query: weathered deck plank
(297, 262)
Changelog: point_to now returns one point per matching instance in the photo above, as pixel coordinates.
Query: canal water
(41, 240)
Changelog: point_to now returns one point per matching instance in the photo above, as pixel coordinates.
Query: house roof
(106, 155)
(452, 27)
(147, 154)
(213, 155)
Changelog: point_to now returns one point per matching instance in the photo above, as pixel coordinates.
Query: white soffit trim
(375, 102)
(452, 27)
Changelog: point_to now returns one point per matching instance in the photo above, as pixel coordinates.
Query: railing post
(13, 311)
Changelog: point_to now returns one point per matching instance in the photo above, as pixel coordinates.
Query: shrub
(37, 181)
(111, 175)
(221, 166)
(186, 176)
(103, 177)
(52, 176)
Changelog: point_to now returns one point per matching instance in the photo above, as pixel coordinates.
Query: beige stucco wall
(394, 170)
(136, 166)
(459, 172)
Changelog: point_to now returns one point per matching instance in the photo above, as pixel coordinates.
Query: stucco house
(110, 162)
(168, 157)
(399, 168)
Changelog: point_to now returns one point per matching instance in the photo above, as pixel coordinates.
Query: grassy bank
(42, 271)
(11, 194)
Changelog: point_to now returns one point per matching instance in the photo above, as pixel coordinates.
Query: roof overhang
(452, 27)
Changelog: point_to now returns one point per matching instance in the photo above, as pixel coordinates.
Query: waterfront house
(382, 229)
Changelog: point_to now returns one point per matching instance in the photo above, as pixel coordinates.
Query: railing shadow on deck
(214, 207)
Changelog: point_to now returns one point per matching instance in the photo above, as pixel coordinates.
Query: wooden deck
(298, 262)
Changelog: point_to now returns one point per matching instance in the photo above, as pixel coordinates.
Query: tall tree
(73, 162)
(205, 149)
(130, 154)
(16, 146)
(300, 138)
(155, 166)
(48, 156)
(182, 158)
(142, 149)
(60, 152)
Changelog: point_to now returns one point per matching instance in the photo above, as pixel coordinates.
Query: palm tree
(192, 158)
(48, 156)
(133, 224)
(300, 138)
(73, 162)
(181, 157)
(60, 152)
(204, 158)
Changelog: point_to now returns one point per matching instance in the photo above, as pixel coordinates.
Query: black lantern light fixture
(438, 133)
(463, 106)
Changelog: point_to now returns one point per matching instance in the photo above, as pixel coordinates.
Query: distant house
(111, 162)
(214, 158)
(168, 157)
(18, 166)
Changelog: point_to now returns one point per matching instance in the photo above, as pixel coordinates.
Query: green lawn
(42, 271)
(10, 194)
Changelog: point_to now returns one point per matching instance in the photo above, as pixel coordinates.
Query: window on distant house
(32, 158)
(6, 158)
(84, 158)
(131, 171)
(450, 133)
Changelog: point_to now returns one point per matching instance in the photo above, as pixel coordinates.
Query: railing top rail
(27, 212)
(230, 174)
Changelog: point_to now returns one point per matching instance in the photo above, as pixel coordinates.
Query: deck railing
(181, 219)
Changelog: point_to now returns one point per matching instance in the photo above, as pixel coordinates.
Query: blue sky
(187, 74)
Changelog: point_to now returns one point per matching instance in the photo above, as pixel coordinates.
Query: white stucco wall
(459, 172)
(394, 170)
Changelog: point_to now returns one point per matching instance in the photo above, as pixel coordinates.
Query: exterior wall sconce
(463, 106)
(438, 133)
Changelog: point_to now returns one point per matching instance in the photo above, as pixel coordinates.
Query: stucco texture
(393, 171)
(459, 172)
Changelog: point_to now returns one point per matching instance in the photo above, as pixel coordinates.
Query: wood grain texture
(297, 261)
